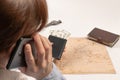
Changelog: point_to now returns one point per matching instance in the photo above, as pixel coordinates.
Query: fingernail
(27, 47)
(51, 43)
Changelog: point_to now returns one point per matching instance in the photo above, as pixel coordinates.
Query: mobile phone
(17, 58)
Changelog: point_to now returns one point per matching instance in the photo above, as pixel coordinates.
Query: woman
(21, 18)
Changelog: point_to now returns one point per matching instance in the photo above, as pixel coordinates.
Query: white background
(79, 17)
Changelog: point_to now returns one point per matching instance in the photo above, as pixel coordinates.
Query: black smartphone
(17, 58)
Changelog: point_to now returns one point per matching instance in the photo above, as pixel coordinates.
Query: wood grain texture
(83, 56)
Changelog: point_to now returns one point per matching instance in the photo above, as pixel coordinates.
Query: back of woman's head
(20, 18)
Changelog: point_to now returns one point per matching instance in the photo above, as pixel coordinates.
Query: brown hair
(20, 18)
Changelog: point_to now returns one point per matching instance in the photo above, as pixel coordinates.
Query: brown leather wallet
(103, 37)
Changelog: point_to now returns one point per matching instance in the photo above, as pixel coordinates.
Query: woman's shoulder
(12, 75)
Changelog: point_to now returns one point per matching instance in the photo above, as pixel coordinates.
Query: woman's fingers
(29, 57)
(40, 50)
(48, 54)
(42, 64)
(48, 48)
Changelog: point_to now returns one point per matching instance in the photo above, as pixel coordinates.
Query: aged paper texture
(83, 56)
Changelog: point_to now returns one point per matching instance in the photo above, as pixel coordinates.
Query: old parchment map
(83, 56)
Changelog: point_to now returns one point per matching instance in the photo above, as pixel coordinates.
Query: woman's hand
(42, 65)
